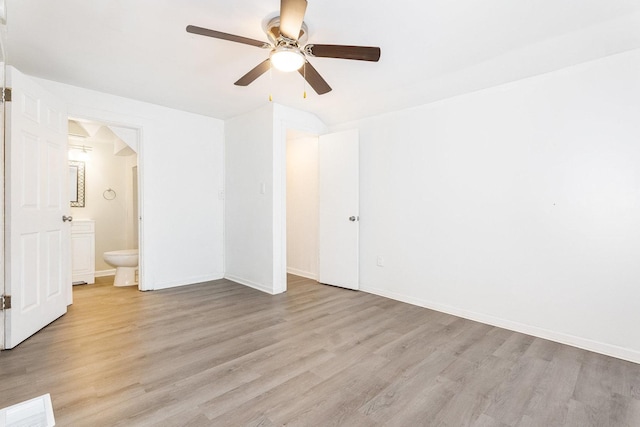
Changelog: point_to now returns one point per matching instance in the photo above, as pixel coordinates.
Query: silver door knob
(353, 218)
(66, 218)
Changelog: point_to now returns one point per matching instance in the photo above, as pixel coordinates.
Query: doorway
(110, 202)
(322, 207)
(302, 204)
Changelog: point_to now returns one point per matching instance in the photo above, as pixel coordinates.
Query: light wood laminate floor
(222, 354)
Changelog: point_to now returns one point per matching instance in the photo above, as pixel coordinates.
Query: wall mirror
(76, 184)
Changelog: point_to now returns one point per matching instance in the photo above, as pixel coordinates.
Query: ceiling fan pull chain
(270, 84)
(304, 72)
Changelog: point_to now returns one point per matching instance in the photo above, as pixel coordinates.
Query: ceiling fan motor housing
(273, 32)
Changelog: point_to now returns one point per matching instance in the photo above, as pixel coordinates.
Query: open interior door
(338, 199)
(3, 55)
(37, 239)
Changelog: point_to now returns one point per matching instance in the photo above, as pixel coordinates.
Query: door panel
(38, 271)
(338, 160)
(28, 160)
(53, 171)
(54, 276)
(28, 280)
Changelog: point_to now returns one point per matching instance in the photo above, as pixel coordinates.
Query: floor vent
(36, 412)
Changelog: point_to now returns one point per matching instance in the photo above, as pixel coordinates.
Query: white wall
(517, 206)
(181, 166)
(302, 206)
(249, 199)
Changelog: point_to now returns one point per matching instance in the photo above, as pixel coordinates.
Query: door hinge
(6, 302)
(6, 94)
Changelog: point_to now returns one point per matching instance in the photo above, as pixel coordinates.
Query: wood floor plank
(231, 400)
(514, 347)
(512, 397)
(336, 399)
(257, 409)
(549, 404)
(350, 355)
(429, 401)
(219, 353)
(405, 384)
(481, 378)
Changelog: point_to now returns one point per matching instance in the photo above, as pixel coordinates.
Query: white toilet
(126, 264)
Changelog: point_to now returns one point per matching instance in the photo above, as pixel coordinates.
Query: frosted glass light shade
(287, 59)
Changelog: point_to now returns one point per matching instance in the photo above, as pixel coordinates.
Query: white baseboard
(103, 273)
(302, 273)
(250, 284)
(185, 281)
(88, 279)
(562, 338)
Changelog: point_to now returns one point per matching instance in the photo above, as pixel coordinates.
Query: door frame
(280, 196)
(140, 164)
(280, 201)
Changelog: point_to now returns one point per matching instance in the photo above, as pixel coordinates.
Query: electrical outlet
(380, 261)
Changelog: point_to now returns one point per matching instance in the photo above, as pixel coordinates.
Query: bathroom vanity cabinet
(83, 251)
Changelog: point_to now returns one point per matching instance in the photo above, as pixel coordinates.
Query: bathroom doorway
(108, 155)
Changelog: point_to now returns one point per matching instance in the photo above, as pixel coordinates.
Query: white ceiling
(431, 49)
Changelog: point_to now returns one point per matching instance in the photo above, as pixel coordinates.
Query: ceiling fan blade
(224, 36)
(291, 17)
(360, 53)
(256, 72)
(314, 79)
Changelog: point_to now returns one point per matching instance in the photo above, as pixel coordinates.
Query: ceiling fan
(287, 34)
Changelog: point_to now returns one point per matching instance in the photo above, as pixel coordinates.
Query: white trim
(103, 273)
(88, 278)
(249, 283)
(224, 200)
(279, 208)
(572, 340)
(187, 281)
(302, 273)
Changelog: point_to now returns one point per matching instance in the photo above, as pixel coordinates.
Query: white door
(338, 160)
(3, 35)
(37, 241)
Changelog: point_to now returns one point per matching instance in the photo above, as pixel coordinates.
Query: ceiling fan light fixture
(287, 58)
